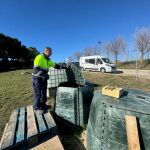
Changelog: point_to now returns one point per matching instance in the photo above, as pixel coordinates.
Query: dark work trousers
(40, 90)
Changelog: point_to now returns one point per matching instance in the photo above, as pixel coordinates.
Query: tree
(142, 41)
(14, 54)
(106, 49)
(96, 50)
(70, 58)
(77, 55)
(90, 51)
(33, 52)
(116, 47)
(3, 49)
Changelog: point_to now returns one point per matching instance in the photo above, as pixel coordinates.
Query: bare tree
(70, 58)
(106, 49)
(77, 55)
(90, 51)
(96, 50)
(116, 47)
(148, 55)
(142, 41)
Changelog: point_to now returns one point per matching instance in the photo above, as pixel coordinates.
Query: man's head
(48, 51)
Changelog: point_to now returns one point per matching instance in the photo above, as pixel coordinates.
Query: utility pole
(99, 42)
(136, 65)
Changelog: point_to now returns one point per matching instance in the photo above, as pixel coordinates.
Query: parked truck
(96, 63)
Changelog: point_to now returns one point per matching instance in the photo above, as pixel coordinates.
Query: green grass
(16, 89)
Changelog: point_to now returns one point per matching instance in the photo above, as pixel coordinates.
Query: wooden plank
(20, 134)
(41, 123)
(132, 133)
(51, 144)
(49, 120)
(3, 135)
(31, 123)
(9, 133)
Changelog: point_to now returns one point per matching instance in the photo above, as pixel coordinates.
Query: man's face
(48, 52)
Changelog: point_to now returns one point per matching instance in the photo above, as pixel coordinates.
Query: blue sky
(72, 25)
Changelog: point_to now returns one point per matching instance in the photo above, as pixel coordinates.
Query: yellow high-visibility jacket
(42, 65)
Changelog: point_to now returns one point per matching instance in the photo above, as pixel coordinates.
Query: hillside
(132, 65)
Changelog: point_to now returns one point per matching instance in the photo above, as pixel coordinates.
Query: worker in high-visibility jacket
(42, 63)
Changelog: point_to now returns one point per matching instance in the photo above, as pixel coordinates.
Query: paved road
(141, 73)
(129, 72)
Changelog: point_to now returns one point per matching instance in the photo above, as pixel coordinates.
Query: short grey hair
(47, 48)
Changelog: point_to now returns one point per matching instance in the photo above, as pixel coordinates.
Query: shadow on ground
(67, 132)
(118, 72)
(69, 136)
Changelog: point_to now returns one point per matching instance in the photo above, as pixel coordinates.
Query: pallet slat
(132, 133)
(41, 124)
(3, 135)
(31, 123)
(51, 144)
(49, 120)
(20, 134)
(8, 135)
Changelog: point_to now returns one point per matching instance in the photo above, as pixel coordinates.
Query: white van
(97, 63)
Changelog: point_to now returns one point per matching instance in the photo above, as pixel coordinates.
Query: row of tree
(119, 46)
(14, 54)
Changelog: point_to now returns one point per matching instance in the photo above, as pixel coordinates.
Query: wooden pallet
(25, 126)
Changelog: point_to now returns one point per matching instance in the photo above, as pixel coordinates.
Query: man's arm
(57, 66)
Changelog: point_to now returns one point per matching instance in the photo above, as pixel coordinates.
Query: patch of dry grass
(118, 80)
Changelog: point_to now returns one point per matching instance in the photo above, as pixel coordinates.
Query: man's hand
(61, 66)
(45, 77)
(64, 67)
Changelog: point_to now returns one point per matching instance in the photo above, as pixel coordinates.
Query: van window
(99, 61)
(106, 60)
(91, 61)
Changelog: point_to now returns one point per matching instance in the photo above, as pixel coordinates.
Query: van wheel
(103, 70)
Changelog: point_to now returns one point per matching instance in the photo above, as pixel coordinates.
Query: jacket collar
(46, 57)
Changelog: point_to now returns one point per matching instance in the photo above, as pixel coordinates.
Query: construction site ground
(16, 91)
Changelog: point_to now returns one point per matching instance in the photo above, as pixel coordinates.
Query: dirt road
(141, 73)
